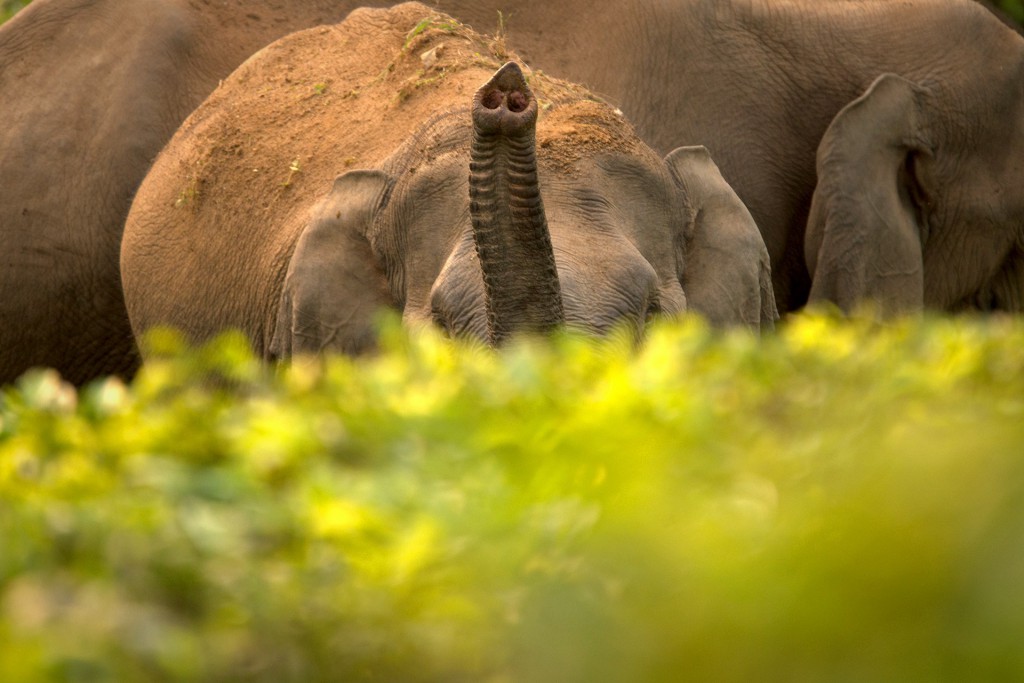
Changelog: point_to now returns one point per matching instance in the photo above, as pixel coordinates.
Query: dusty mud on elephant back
(360, 200)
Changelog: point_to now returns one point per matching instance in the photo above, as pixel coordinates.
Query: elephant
(90, 90)
(758, 82)
(346, 169)
(878, 145)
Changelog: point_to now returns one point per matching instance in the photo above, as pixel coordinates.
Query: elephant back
(217, 217)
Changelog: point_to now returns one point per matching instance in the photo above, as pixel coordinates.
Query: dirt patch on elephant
(267, 145)
(330, 99)
(588, 128)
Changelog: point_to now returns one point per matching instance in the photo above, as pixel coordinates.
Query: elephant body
(761, 84)
(340, 170)
(90, 90)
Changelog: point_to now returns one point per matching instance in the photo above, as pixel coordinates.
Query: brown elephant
(758, 82)
(536, 206)
(90, 90)
(901, 122)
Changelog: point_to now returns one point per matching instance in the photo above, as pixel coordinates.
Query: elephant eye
(987, 300)
(653, 311)
(441, 321)
(915, 182)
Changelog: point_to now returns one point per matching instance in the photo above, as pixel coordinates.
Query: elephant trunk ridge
(509, 225)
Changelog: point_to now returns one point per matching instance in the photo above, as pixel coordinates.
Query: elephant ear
(727, 274)
(865, 228)
(334, 285)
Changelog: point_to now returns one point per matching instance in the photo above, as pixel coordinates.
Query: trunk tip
(505, 103)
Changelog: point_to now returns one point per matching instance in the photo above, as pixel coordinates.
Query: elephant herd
(288, 169)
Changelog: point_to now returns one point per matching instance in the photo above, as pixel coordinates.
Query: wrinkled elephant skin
(90, 90)
(763, 84)
(455, 193)
(785, 94)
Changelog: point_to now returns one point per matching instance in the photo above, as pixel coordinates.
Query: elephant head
(917, 204)
(589, 228)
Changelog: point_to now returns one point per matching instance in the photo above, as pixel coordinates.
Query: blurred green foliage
(8, 8)
(1014, 8)
(839, 501)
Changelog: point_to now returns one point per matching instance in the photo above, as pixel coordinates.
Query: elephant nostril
(493, 99)
(517, 101)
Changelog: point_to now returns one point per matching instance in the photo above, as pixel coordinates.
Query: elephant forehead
(620, 207)
(604, 277)
(604, 280)
(582, 130)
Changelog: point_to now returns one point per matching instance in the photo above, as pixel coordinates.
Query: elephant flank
(509, 225)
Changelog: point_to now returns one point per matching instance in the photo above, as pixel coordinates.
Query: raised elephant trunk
(509, 226)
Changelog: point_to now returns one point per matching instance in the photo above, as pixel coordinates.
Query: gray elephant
(535, 207)
(90, 90)
(757, 82)
(879, 145)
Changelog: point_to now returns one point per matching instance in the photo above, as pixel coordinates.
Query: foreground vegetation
(838, 501)
(8, 8)
(1013, 8)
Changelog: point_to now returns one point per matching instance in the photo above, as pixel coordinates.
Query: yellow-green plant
(8, 8)
(837, 501)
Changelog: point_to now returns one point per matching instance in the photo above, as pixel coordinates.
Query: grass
(430, 23)
(293, 169)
